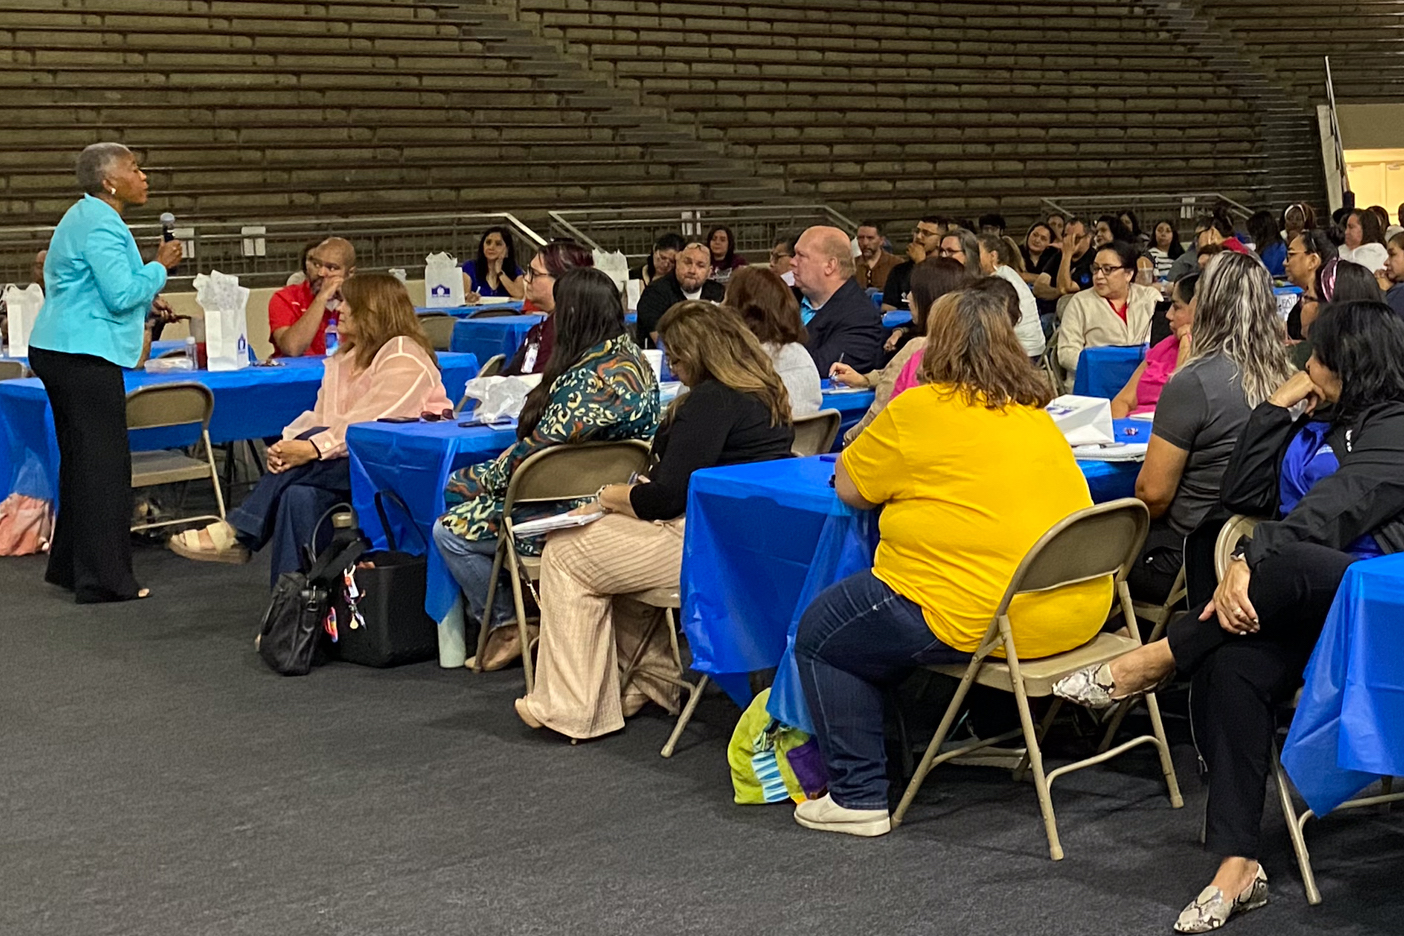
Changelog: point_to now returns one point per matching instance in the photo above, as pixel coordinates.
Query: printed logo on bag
(439, 290)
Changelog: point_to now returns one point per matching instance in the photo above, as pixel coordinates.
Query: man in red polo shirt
(298, 315)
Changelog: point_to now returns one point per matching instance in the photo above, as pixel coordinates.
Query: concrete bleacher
(268, 108)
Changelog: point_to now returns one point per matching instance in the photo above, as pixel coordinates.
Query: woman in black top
(1041, 260)
(1332, 487)
(736, 410)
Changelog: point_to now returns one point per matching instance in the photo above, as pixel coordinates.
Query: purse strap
(380, 498)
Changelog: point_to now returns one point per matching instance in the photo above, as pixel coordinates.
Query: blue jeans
(470, 563)
(857, 636)
(283, 508)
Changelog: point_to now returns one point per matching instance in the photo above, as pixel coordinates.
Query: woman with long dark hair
(736, 410)
(1330, 484)
(725, 260)
(1364, 240)
(1165, 247)
(595, 387)
(494, 272)
(1267, 242)
(660, 260)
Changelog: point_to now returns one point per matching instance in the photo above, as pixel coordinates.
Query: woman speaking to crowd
(99, 296)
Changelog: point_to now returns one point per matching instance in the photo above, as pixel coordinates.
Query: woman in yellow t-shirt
(970, 472)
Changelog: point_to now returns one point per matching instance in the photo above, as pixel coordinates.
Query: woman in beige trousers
(736, 410)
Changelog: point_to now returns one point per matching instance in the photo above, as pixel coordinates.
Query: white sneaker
(827, 816)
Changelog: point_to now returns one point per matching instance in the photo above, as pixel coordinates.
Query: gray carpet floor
(156, 778)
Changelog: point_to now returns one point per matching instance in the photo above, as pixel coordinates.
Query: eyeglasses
(531, 273)
(947, 252)
(922, 232)
(1107, 270)
(780, 255)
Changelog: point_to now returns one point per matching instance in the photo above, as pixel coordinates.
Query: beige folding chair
(1051, 366)
(1099, 541)
(438, 327)
(163, 406)
(13, 370)
(815, 433)
(496, 312)
(559, 473)
(1236, 527)
(669, 600)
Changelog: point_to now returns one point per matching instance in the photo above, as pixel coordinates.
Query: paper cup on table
(655, 360)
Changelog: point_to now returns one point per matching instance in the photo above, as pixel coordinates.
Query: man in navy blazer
(841, 320)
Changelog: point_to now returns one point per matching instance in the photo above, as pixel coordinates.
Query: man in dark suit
(841, 320)
(687, 281)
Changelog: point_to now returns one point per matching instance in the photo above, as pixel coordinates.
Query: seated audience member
(1267, 242)
(1237, 357)
(926, 241)
(1332, 489)
(385, 366)
(782, 258)
(495, 271)
(1115, 311)
(1364, 240)
(769, 309)
(934, 277)
(1393, 284)
(721, 243)
(839, 316)
(1188, 262)
(1075, 265)
(540, 277)
(1163, 358)
(1165, 247)
(909, 376)
(1207, 252)
(1041, 260)
(949, 463)
(875, 263)
(1109, 229)
(991, 224)
(997, 258)
(960, 245)
(1057, 222)
(660, 261)
(1307, 253)
(689, 280)
(596, 387)
(1296, 218)
(298, 315)
(1336, 281)
(1219, 229)
(1131, 226)
(305, 271)
(736, 410)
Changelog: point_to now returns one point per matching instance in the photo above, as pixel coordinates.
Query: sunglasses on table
(445, 415)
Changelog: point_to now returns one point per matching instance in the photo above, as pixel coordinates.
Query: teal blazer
(97, 290)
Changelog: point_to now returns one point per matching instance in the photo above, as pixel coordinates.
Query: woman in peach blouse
(385, 366)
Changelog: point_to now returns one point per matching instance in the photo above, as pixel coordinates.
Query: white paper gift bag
(226, 323)
(443, 282)
(22, 307)
(615, 264)
(1083, 420)
(633, 289)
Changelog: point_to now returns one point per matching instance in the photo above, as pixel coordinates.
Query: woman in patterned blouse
(597, 387)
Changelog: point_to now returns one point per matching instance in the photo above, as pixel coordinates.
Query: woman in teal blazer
(92, 325)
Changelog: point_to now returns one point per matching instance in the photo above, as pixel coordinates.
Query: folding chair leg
(214, 475)
(1294, 829)
(1043, 727)
(1167, 764)
(486, 622)
(693, 697)
(935, 746)
(1035, 755)
(627, 676)
(523, 634)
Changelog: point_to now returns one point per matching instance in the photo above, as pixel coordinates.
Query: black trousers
(1158, 565)
(91, 552)
(1238, 681)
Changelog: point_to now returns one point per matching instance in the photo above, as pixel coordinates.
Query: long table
(252, 403)
(762, 540)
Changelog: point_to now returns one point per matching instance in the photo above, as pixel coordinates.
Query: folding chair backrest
(564, 472)
(1234, 529)
(1101, 540)
(12, 370)
(439, 329)
(496, 313)
(171, 404)
(814, 434)
(493, 366)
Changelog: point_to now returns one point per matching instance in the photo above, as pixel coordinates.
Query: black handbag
(291, 636)
(392, 628)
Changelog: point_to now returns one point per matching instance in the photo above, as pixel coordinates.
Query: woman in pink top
(1142, 391)
(385, 366)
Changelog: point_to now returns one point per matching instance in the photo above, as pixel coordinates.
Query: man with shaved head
(298, 314)
(841, 320)
(688, 280)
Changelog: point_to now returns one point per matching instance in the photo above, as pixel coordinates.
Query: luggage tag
(353, 592)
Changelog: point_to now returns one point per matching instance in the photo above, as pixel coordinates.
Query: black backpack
(290, 639)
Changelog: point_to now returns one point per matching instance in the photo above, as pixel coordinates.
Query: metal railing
(1183, 208)
(632, 231)
(265, 253)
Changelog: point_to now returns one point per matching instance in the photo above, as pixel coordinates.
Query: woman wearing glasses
(550, 263)
(1115, 311)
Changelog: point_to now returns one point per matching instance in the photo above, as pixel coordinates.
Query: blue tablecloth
(252, 403)
(762, 540)
(1102, 372)
(515, 305)
(852, 404)
(897, 317)
(486, 337)
(1346, 732)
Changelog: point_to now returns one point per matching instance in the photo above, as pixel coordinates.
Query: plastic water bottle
(192, 352)
(332, 341)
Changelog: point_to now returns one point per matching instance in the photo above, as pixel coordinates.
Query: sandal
(226, 547)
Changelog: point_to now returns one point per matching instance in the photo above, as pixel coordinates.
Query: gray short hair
(95, 162)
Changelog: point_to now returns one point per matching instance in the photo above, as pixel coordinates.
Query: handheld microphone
(167, 226)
